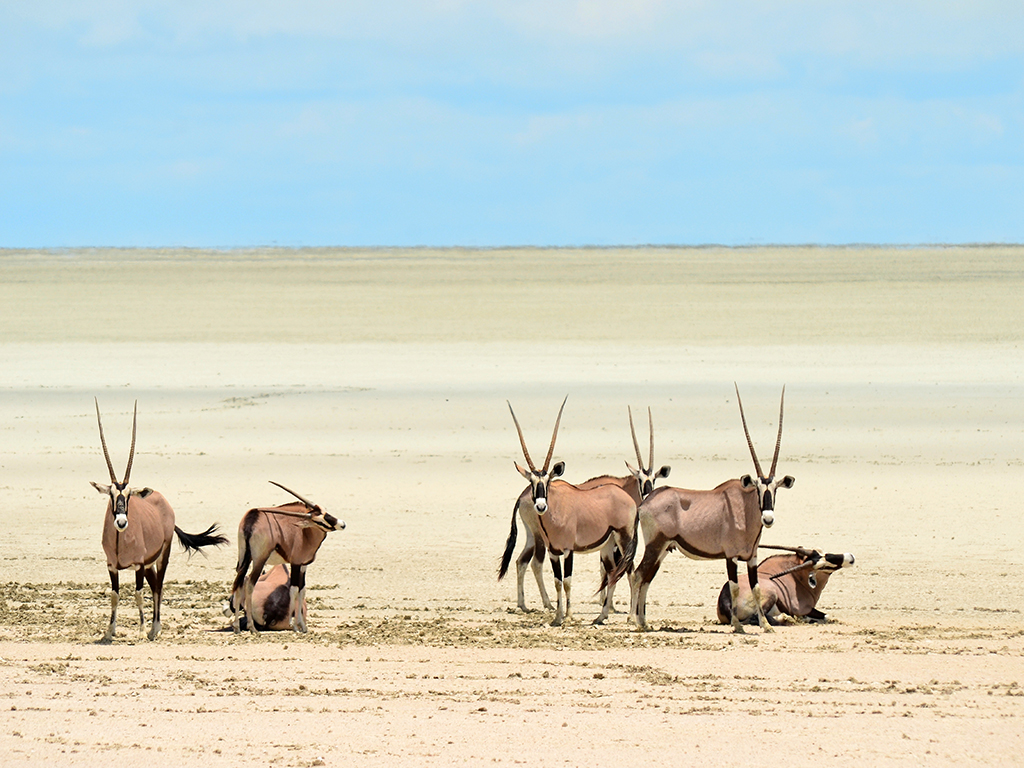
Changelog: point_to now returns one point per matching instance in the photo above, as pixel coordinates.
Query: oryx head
(119, 492)
(539, 478)
(645, 477)
(814, 562)
(315, 517)
(766, 485)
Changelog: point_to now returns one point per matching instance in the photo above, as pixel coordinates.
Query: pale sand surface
(375, 383)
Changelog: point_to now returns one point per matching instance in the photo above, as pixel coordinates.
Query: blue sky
(443, 122)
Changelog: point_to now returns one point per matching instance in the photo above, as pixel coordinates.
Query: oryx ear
(746, 482)
(558, 469)
(105, 489)
(521, 471)
(788, 481)
(634, 472)
(664, 472)
(812, 580)
(143, 493)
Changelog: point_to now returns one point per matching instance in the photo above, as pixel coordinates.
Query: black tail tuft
(193, 542)
(510, 545)
(625, 562)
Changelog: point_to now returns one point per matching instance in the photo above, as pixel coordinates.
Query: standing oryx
(570, 519)
(291, 533)
(638, 484)
(724, 523)
(137, 534)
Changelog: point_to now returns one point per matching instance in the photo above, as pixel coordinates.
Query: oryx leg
(115, 593)
(297, 594)
(556, 567)
(532, 554)
(640, 581)
(607, 556)
(237, 600)
(755, 588)
(732, 570)
(155, 576)
(250, 584)
(567, 584)
(140, 579)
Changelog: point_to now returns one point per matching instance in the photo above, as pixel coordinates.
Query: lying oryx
(291, 533)
(570, 519)
(271, 601)
(137, 534)
(791, 584)
(724, 523)
(638, 484)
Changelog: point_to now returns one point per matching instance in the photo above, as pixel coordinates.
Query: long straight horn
(650, 426)
(636, 445)
(522, 441)
(750, 444)
(131, 453)
(802, 567)
(103, 442)
(802, 551)
(293, 493)
(551, 448)
(778, 440)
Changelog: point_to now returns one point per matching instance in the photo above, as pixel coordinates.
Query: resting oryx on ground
(570, 519)
(724, 523)
(137, 534)
(291, 533)
(638, 484)
(790, 584)
(271, 601)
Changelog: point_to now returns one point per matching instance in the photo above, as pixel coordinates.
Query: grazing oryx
(724, 523)
(570, 519)
(137, 534)
(271, 601)
(792, 584)
(638, 484)
(291, 533)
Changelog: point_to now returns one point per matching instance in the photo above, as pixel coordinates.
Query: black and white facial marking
(539, 481)
(325, 520)
(831, 563)
(766, 488)
(646, 479)
(119, 494)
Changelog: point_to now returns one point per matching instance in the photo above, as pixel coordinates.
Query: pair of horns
(522, 440)
(636, 445)
(811, 558)
(750, 444)
(106, 453)
(309, 504)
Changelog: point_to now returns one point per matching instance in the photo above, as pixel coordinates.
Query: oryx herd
(724, 523)
(604, 514)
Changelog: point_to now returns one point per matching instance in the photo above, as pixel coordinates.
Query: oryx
(570, 519)
(272, 607)
(137, 534)
(723, 523)
(638, 484)
(790, 584)
(291, 533)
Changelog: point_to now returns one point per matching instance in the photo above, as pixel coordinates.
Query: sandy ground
(375, 383)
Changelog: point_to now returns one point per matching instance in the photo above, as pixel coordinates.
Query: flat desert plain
(374, 382)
